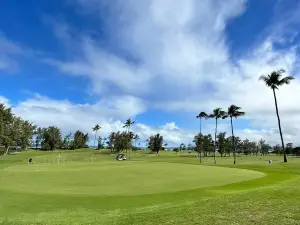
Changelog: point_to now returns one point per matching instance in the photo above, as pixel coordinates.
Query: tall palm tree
(200, 116)
(95, 129)
(136, 138)
(111, 143)
(127, 125)
(218, 113)
(233, 111)
(274, 81)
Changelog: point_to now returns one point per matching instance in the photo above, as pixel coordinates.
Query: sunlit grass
(87, 187)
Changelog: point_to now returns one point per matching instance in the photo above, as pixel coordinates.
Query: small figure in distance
(30, 160)
(270, 161)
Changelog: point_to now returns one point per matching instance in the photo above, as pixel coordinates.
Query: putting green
(117, 178)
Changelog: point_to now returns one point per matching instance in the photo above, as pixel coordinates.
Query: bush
(176, 149)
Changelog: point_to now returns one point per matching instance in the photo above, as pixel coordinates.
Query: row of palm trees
(273, 81)
(218, 113)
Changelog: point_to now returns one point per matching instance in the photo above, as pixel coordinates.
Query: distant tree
(200, 116)
(274, 81)
(254, 147)
(66, 144)
(6, 121)
(218, 113)
(135, 138)
(289, 148)
(182, 147)
(111, 142)
(156, 143)
(95, 129)
(222, 143)
(121, 141)
(233, 111)
(39, 135)
(208, 144)
(101, 143)
(21, 132)
(277, 149)
(166, 145)
(260, 144)
(198, 140)
(80, 140)
(128, 124)
(296, 151)
(176, 149)
(52, 138)
(265, 149)
(14, 131)
(246, 147)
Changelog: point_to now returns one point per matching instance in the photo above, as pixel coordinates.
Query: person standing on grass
(30, 160)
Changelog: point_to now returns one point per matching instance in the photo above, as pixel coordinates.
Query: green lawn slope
(88, 187)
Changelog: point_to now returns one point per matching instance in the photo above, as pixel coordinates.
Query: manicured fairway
(85, 187)
(105, 178)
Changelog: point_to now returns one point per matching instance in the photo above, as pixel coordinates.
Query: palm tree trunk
(277, 113)
(128, 156)
(199, 153)
(6, 152)
(216, 141)
(95, 139)
(233, 147)
(200, 126)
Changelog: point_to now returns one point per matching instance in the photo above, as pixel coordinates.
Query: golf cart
(120, 157)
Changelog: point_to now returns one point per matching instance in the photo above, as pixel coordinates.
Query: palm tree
(136, 138)
(111, 142)
(233, 111)
(127, 125)
(200, 116)
(217, 114)
(95, 129)
(274, 81)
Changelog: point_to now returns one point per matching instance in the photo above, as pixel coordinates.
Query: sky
(77, 63)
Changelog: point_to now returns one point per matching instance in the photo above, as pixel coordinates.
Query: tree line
(15, 131)
(50, 138)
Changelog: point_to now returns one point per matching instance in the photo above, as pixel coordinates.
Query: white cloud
(4, 101)
(8, 53)
(177, 44)
(109, 114)
(180, 61)
(63, 113)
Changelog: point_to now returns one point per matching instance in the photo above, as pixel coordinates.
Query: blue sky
(77, 63)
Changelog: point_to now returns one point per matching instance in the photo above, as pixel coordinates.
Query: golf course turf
(88, 187)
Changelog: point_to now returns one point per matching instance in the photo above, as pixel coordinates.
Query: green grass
(85, 187)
